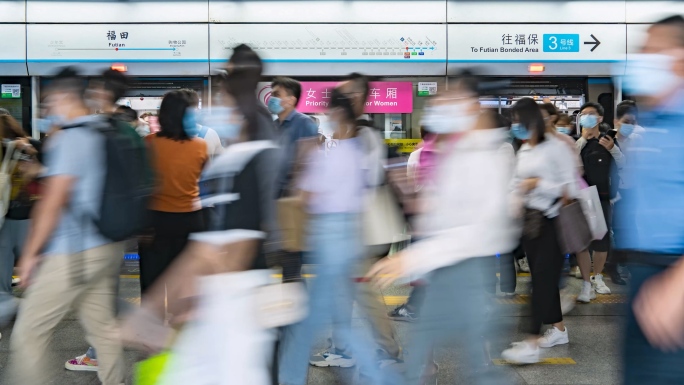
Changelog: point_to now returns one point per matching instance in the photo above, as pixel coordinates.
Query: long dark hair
(171, 113)
(241, 83)
(529, 115)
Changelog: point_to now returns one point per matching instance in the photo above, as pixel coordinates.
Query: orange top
(177, 166)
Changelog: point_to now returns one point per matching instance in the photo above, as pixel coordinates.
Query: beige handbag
(292, 220)
(383, 220)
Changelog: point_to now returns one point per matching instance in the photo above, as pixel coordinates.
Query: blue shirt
(294, 127)
(651, 219)
(78, 153)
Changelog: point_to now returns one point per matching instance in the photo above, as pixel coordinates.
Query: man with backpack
(600, 157)
(95, 192)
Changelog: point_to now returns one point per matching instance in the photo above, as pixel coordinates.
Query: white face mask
(650, 74)
(447, 119)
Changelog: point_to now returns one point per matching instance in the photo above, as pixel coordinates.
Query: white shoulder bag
(9, 163)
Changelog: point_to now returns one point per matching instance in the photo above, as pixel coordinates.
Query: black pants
(506, 270)
(170, 236)
(546, 263)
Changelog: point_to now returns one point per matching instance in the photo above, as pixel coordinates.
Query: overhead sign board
(383, 97)
(144, 49)
(13, 52)
(329, 11)
(387, 49)
(116, 11)
(535, 11)
(12, 11)
(552, 45)
(651, 11)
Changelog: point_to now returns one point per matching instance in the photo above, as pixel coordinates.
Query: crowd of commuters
(245, 187)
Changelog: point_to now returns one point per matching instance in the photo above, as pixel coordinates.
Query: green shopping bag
(149, 371)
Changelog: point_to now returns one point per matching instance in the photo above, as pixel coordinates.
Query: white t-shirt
(214, 146)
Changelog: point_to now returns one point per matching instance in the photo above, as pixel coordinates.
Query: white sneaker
(553, 337)
(587, 293)
(332, 357)
(523, 265)
(521, 353)
(599, 285)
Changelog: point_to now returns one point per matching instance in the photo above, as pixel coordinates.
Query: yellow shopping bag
(149, 371)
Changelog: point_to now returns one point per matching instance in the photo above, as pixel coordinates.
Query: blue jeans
(336, 248)
(453, 315)
(12, 236)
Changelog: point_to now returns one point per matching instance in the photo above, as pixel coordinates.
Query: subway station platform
(591, 357)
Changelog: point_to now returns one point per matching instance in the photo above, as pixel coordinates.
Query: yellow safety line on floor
(522, 299)
(545, 361)
(396, 300)
(305, 275)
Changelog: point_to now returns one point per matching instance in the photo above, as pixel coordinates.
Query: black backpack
(598, 163)
(128, 181)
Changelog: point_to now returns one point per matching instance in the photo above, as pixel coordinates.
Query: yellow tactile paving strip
(394, 300)
(545, 361)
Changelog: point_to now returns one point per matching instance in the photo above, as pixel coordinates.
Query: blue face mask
(626, 129)
(274, 105)
(190, 123)
(519, 131)
(588, 121)
(564, 130)
(44, 125)
(223, 121)
(650, 74)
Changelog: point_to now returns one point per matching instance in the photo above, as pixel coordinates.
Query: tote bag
(574, 234)
(9, 164)
(591, 205)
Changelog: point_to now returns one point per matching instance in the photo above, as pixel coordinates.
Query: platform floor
(592, 357)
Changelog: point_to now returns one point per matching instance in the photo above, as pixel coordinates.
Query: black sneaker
(402, 313)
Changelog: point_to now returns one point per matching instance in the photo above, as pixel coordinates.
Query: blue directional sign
(561, 42)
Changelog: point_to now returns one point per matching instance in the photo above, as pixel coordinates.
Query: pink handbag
(581, 183)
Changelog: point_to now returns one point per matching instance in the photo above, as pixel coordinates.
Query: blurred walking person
(26, 156)
(332, 190)
(219, 281)
(466, 222)
(545, 174)
(67, 262)
(650, 224)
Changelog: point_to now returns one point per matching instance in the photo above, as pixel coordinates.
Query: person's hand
(529, 184)
(387, 270)
(607, 142)
(659, 309)
(26, 266)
